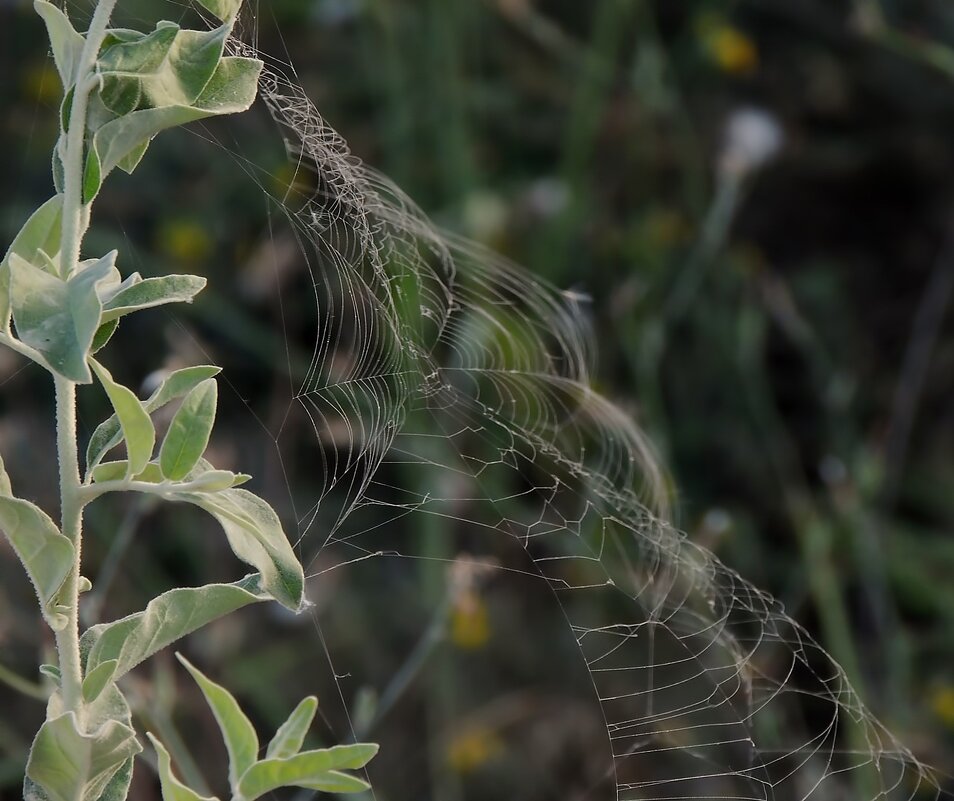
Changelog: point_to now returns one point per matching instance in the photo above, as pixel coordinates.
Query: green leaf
(40, 233)
(119, 95)
(237, 731)
(130, 161)
(165, 619)
(97, 679)
(118, 787)
(230, 90)
(109, 433)
(92, 175)
(172, 66)
(137, 428)
(119, 471)
(172, 788)
(103, 334)
(224, 9)
(67, 44)
(314, 770)
(52, 672)
(151, 293)
(45, 553)
(66, 109)
(289, 738)
(5, 489)
(189, 431)
(72, 766)
(256, 537)
(58, 319)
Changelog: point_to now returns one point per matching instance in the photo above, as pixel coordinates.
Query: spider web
(445, 414)
(449, 392)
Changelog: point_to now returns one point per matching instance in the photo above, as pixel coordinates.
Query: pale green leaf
(151, 293)
(45, 553)
(315, 770)
(137, 427)
(41, 232)
(189, 431)
(119, 95)
(230, 90)
(240, 739)
(139, 56)
(70, 765)
(289, 738)
(171, 66)
(5, 489)
(67, 44)
(92, 175)
(131, 160)
(109, 433)
(118, 787)
(165, 619)
(172, 788)
(256, 536)
(119, 471)
(224, 9)
(97, 679)
(103, 334)
(58, 319)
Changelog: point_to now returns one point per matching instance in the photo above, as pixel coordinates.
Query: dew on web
(441, 444)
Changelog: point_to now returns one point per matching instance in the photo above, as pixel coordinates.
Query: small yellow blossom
(470, 623)
(665, 227)
(41, 83)
(730, 49)
(467, 751)
(942, 703)
(185, 242)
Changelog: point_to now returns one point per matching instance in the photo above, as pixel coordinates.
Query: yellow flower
(41, 83)
(469, 750)
(730, 49)
(470, 624)
(942, 703)
(185, 242)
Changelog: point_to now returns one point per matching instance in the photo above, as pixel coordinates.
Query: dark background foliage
(781, 329)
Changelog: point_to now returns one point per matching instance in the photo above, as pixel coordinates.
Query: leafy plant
(121, 88)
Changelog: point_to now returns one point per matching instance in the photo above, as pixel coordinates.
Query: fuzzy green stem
(75, 222)
(71, 512)
(75, 216)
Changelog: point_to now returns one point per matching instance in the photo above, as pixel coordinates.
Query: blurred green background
(757, 198)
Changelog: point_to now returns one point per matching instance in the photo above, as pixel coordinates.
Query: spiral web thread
(448, 385)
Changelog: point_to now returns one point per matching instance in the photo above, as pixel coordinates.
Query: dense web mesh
(450, 390)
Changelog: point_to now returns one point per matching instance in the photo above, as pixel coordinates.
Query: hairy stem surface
(75, 222)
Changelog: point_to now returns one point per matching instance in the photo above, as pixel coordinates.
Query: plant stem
(75, 222)
(71, 516)
(75, 217)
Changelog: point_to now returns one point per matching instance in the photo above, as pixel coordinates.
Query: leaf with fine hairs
(237, 731)
(291, 734)
(172, 788)
(171, 616)
(189, 431)
(151, 292)
(137, 427)
(42, 232)
(70, 765)
(231, 89)
(108, 434)
(66, 43)
(57, 320)
(255, 535)
(45, 553)
(224, 9)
